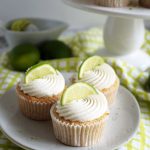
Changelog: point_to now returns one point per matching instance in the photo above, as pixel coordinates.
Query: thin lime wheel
(38, 71)
(89, 64)
(77, 91)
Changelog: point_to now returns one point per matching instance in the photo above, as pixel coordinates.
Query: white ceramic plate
(130, 12)
(121, 126)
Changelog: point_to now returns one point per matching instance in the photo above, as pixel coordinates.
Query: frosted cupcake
(112, 3)
(41, 87)
(100, 75)
(79, 118)
(145, 3)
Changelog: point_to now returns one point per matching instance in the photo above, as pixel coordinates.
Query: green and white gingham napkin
(131, 77)
(85, 43)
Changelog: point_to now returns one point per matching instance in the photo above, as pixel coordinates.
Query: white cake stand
(124, 30)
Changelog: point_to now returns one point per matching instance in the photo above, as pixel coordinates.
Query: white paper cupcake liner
(112, 3)
(33, 109)
(77, 134)
(111, 93)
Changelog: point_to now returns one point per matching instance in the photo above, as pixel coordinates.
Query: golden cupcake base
(111, 92)
(35, 108)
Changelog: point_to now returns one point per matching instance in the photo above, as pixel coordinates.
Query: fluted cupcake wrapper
(111, 93)
(35, 110)
(82, 135)
(112, 3)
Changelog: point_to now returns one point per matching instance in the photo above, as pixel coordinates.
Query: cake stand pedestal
(123, 32)
(123, 35)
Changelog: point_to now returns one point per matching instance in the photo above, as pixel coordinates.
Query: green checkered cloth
(130, 77)
(85, 42)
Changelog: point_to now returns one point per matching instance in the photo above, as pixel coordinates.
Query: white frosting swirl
(86, 109)
(101, 77)
(47, 86)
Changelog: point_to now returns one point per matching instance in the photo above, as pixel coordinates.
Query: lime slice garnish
(89, 64)
(77, 91)
(38, 71)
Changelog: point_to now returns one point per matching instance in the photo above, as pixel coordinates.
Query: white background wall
(55, 9)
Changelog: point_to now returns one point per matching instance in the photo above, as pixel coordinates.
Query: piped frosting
(87, 109)
(101, 77)
(47, 86)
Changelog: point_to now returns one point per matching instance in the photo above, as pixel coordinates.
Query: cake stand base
(123, 35)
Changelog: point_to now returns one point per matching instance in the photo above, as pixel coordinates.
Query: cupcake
(80, 122)
(145, 3)
(41, 87)
(112, 3)
(96, 72)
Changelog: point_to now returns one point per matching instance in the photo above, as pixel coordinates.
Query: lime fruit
(38, 71)
(89, 64)
(23, 56)
(54, 50)
(20, 25)
(147, 83)
(77, 91)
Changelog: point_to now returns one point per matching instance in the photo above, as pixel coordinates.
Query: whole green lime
(23, 56)
(54, 49)
(147, 84)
